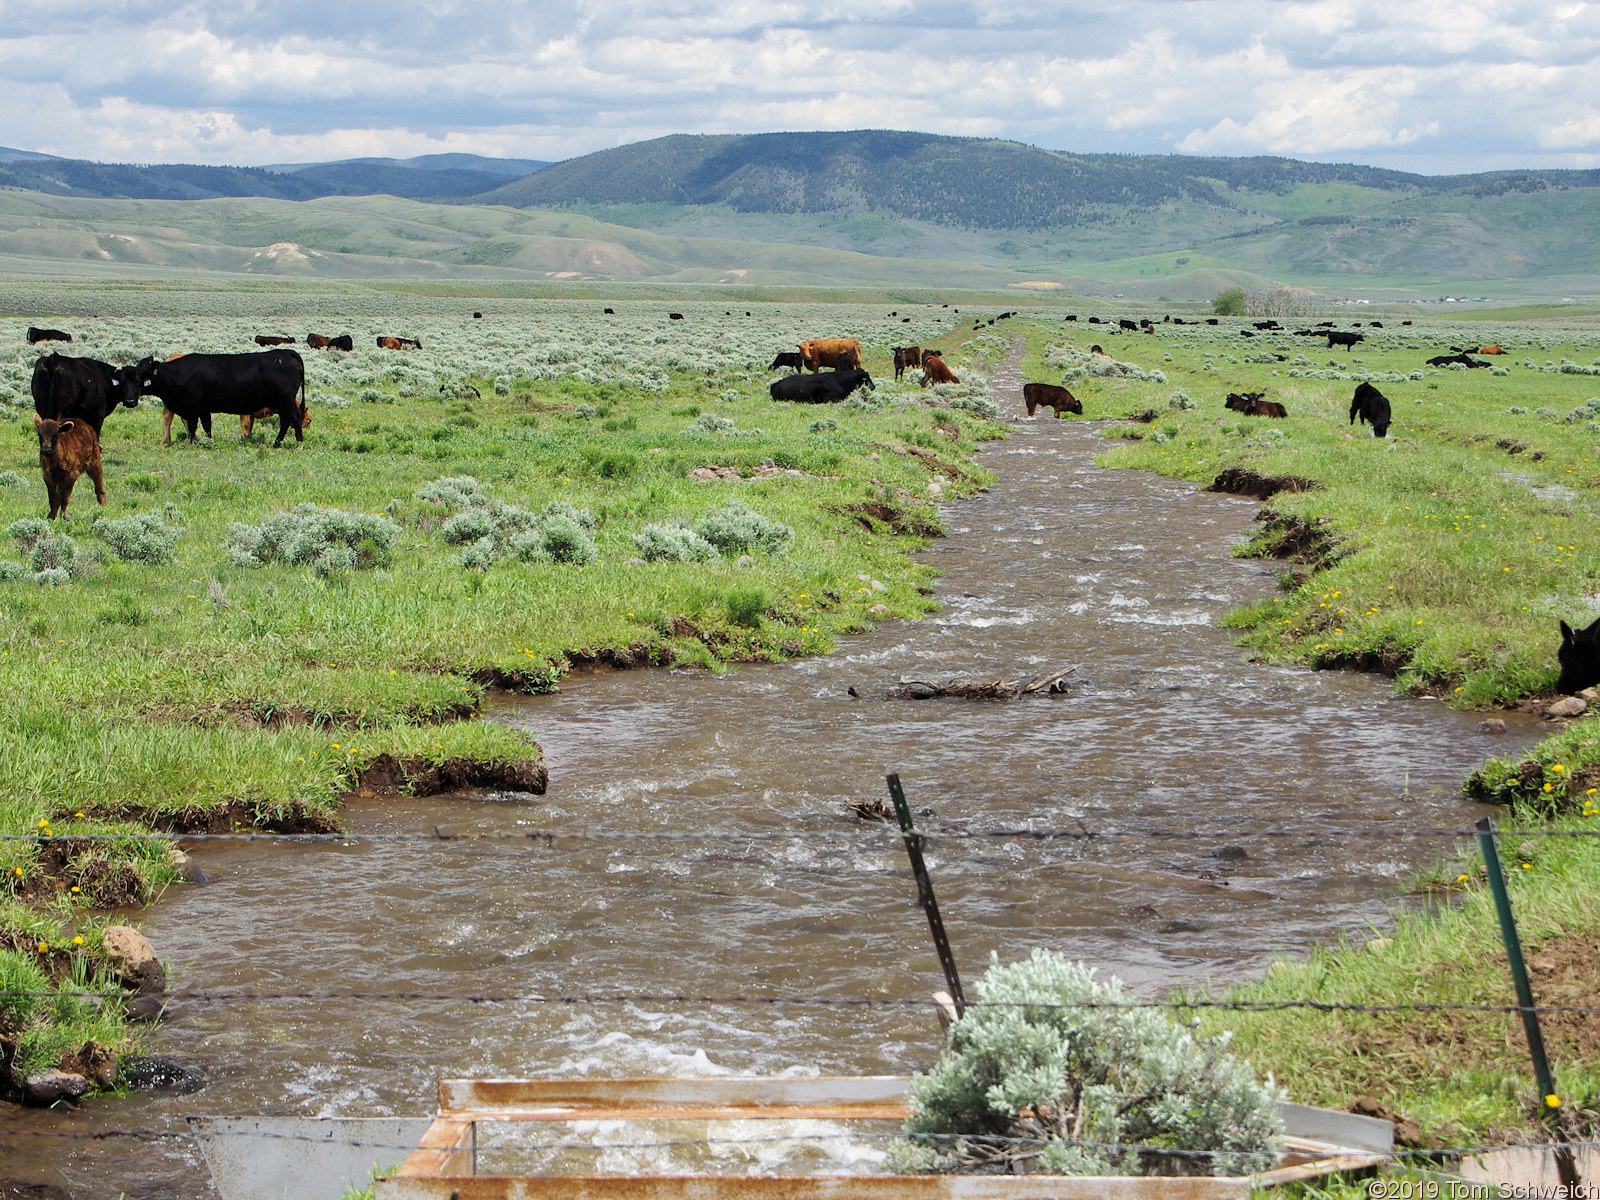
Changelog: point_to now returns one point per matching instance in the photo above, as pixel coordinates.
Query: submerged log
(1051, 683)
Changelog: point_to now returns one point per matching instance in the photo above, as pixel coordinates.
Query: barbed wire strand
(860, 1002)
(932, 833)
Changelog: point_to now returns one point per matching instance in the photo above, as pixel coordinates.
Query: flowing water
(1238, 811)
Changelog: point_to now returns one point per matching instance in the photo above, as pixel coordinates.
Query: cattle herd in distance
(74, 396)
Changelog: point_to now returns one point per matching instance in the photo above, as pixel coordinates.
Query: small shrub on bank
(328, 540)
(734, 528)
(490, 530)
(1093, 1084)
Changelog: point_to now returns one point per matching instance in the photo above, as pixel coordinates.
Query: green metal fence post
(1549, 1101)
(941, 944)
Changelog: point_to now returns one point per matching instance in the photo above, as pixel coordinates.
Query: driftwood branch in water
(1051, 683)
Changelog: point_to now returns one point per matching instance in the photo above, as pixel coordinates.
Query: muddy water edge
(1235, 811)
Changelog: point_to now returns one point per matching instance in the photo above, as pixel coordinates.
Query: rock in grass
(1568, 706)
(135, 959)
(50, 1087)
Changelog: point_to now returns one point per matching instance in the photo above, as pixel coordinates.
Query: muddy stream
(1242, 812)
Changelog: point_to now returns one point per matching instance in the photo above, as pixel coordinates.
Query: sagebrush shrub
(1051, 1054)
(734, 528)
(326, 539)
(143, 537)
(672, 543)
(490, 530)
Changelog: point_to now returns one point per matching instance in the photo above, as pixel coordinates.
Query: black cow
(611, 313)
(789, 358)
(35, 336)
(1324, 324)
(1211, 320)
(1246, 333)
(1071, 317)
(1266, 325)
(197, 385)
(82, 389)
(1335, 338)
(1096, 321)
(343, 342)
(1579, 656)
(1243, 402)
(1124, 323)
(906, 356)
(1466, 360)
(674, 316)
(1372, 406)
(830, 388)
(1376, 324)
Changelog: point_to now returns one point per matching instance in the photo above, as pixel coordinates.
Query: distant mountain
(514, 168)
(8, 154)
(973, 183)
(432, 177)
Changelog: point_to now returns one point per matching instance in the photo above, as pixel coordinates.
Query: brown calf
(247, 422)
(317, 342)
(1048, 395)
(934, 370)
(67, 449)
(398, 343)
(906, 356)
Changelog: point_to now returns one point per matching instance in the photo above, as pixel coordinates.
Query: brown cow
(315, 341)
(398, 343)
(1496, 349)
(1050, 396)
(934, 370)
(67, 449)
(906, 356)
(825, 352)
(267, 339)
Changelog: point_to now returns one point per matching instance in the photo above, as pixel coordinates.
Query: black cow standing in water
(197, 385)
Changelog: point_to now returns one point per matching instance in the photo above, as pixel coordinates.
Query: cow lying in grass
(821, 389)
(67, 449)
(1372, 406)
(1445, 360)
(1251, 404)
(1048, 395)
(1579, 655)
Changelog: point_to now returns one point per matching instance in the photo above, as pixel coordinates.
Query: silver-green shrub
(672, 543)
(489, 529)
(143, 537)
(326, 539)
(734, 528)
(1054, 1057)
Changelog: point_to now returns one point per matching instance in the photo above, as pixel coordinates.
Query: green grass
(1465, 1078)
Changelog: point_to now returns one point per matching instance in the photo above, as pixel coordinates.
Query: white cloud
(1425, 81)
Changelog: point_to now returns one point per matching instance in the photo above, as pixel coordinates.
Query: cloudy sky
(1418, 84)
